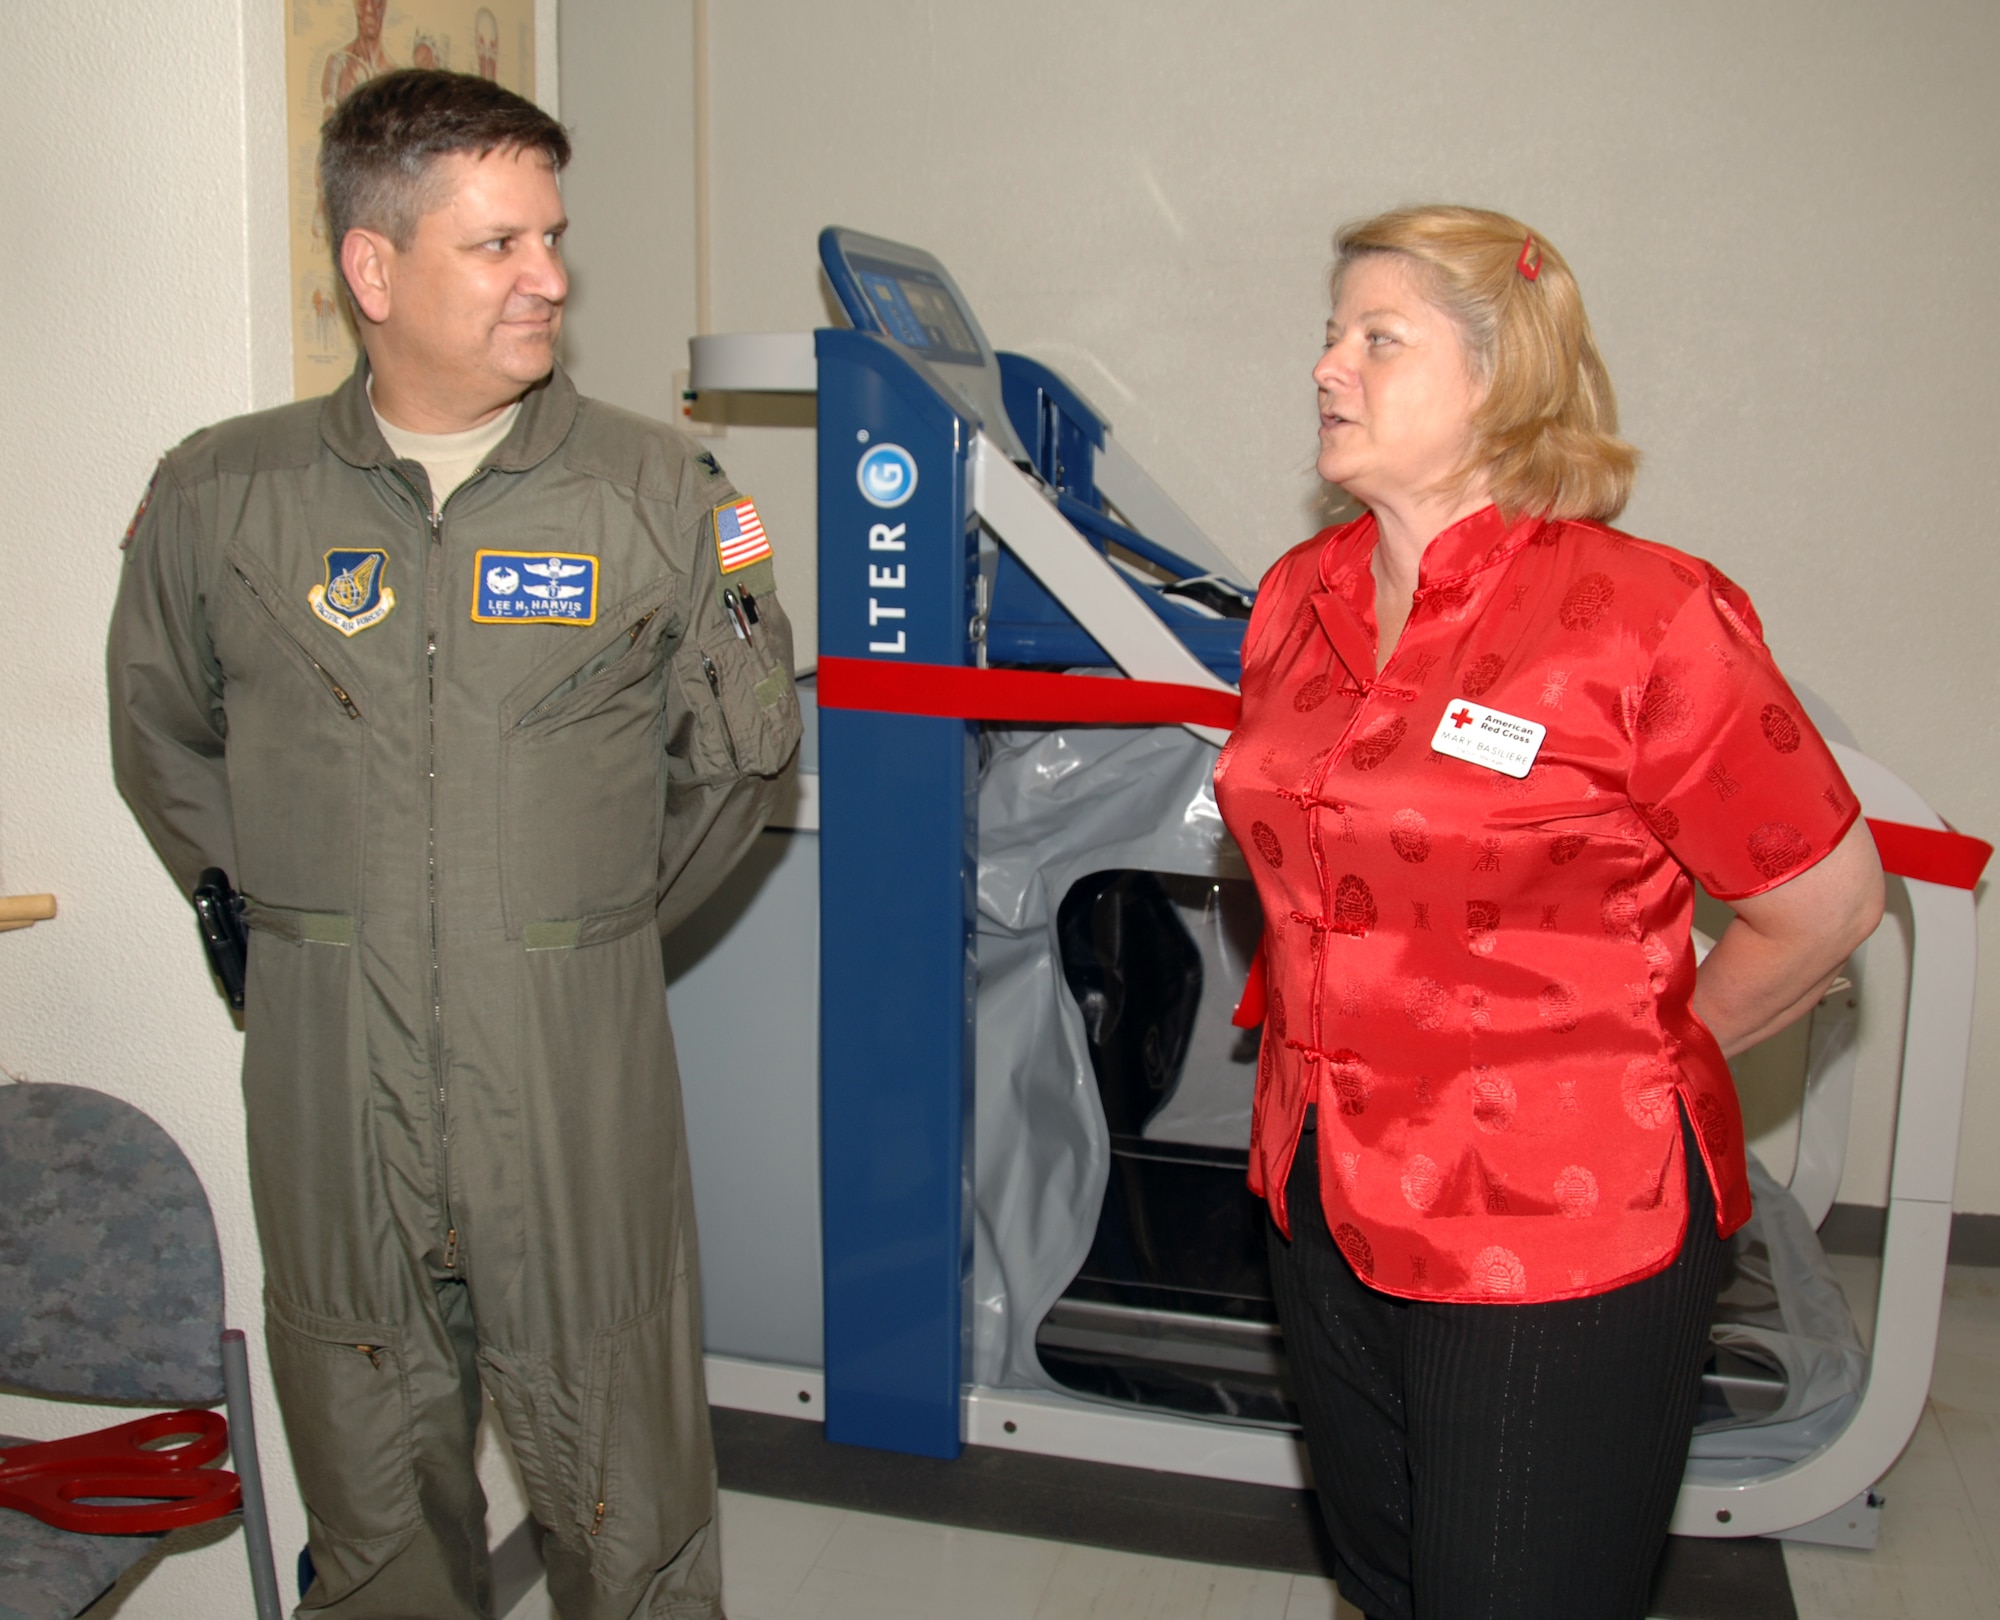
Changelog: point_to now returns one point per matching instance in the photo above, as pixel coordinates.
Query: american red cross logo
(1462, 719)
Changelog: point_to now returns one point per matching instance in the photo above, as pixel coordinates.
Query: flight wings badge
(354, 594)
(534, 587)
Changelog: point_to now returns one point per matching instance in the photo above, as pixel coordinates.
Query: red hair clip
(1530, 261)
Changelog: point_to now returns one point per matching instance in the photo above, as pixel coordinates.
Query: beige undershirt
(447, 458)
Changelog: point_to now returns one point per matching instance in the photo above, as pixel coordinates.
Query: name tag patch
(1501, 742)
(534, 587)
(353, 595)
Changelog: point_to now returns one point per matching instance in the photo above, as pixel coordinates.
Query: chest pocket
(583, 774)
(298, 717)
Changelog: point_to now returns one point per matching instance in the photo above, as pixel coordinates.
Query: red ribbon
(953, 692)
(1930, 854)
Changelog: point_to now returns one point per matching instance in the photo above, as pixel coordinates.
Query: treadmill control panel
(906, 296)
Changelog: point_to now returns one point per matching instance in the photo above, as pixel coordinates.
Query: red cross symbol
(1462, 719)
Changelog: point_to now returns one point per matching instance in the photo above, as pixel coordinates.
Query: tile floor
(1939, 1557)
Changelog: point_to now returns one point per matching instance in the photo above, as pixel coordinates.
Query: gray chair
(110, 1291)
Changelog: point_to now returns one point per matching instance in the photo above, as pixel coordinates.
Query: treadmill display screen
(917, 309)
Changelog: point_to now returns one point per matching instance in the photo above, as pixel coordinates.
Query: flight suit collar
(1343, 596)
(548, 411)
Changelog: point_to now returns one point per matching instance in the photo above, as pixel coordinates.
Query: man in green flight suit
(474, 686)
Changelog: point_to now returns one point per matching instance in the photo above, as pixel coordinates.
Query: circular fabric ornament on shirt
(1499, 1274)
(1424, 1003)
(1558, 1004)
(1354, 1244)
(1422, 1183)
(1352, 1081)
(1493, 1103)
(1410, 836)
(1586, 602)
(1576, 1192)
(1665, 710)
(1479, 675)
(1620, 909)
(1776, 848)
(1377, 743)
(1648, 1092)
(1781, 731)
(1665, 824)
(1353, 906)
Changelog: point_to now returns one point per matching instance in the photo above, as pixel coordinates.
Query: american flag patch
(739, 535)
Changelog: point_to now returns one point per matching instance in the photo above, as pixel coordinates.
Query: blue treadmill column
(898, 868)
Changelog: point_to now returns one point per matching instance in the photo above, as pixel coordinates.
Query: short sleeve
(1727, 770)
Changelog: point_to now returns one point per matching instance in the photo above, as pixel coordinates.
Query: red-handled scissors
(66, 1482)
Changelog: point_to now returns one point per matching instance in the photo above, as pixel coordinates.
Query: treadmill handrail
(1079, 577)
(1088, 520)
(1151, 510)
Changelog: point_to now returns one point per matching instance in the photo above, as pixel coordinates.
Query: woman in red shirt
(1488, 745)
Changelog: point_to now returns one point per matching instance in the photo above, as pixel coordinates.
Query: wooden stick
(20, 910)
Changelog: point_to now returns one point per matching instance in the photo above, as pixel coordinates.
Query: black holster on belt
(219, 910)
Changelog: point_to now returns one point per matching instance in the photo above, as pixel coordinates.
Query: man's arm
(165, 687)
(737, 735)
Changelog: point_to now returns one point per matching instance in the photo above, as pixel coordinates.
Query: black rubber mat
(1160, 1515)
(1743, 1579)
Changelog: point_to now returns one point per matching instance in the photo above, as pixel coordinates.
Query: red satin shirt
(1483, 982)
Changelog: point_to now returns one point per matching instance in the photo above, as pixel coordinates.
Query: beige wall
(1782, 216)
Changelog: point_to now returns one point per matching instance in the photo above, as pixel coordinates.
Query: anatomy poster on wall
(331, 46)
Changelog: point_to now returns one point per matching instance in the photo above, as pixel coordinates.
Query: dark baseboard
(1857, 1229)
(1156, 1514)
(1854, 1229)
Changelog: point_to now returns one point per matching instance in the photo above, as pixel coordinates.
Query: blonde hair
(1546, 434)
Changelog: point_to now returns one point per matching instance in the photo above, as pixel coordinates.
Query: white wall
(1782, 217)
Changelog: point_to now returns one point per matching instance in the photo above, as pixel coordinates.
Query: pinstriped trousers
(1494, 1462)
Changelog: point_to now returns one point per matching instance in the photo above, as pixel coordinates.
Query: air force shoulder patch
(354, 594)
(534, 587)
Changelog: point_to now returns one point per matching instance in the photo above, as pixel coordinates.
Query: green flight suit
(460, 836)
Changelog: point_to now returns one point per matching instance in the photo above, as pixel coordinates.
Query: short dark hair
(379, 148)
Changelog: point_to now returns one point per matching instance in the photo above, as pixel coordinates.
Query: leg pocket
(344, 1389)
(647, 1458)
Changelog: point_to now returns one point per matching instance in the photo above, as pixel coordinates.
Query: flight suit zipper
(715, 686)
(434, 524)
(603, 1466)
(339, 692)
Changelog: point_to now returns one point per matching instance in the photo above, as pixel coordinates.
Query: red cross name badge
(1501, 742)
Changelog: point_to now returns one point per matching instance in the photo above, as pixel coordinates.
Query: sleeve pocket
(745, 712)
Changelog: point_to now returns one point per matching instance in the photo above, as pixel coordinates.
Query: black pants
(1504, 1462)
